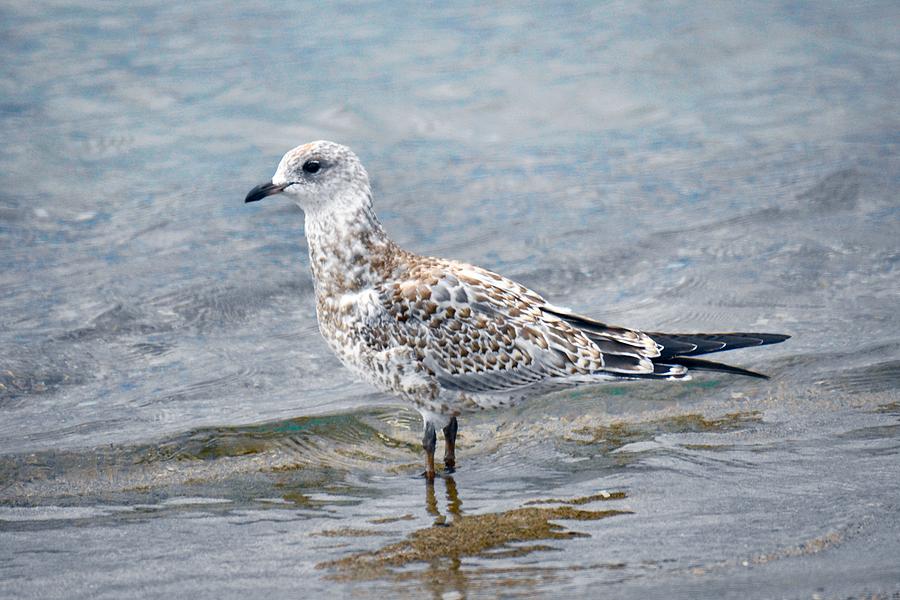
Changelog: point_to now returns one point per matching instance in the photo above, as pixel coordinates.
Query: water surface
(171, 421)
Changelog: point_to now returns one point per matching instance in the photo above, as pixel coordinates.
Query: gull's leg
(429, 441)
(450, 445)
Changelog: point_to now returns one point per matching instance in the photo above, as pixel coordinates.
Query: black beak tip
(263, 190)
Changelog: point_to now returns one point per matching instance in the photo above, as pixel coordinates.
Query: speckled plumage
(446, 336)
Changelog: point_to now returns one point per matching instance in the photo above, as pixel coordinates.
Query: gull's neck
(349, 251)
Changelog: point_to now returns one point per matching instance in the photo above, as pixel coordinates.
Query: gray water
(172, 423)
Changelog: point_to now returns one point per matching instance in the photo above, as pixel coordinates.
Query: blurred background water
(171, 421)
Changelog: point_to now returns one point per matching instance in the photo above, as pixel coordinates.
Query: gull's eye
(311, 166)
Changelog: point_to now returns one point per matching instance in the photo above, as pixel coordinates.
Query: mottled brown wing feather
(480, 332)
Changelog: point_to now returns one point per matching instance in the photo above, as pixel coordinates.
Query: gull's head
(315, 176)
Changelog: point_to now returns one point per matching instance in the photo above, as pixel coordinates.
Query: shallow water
(171, 421)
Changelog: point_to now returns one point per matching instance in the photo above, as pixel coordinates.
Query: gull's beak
(263, 190)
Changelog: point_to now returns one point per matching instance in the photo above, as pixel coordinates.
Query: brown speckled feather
(485, 334)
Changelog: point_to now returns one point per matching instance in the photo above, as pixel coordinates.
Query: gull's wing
(480, 332)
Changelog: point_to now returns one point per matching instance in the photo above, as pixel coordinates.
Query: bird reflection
(453, 501)
(445, 576)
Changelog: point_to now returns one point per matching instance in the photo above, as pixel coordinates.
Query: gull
(449, 337)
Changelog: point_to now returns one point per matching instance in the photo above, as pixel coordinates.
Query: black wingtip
(771, 338)
(695, 344)
(708, 365)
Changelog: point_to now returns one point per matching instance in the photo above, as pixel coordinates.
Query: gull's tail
(680, 348)
(625, 351)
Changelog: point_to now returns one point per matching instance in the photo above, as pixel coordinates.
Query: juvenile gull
(450, 337)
